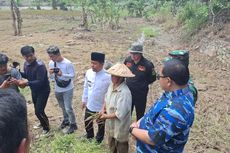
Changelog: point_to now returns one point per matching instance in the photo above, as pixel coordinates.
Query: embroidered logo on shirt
(128, 64)
(141, 68)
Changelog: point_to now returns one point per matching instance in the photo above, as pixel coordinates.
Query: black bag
(62, 83)
(59, 82)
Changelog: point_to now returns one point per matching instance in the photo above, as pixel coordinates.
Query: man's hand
(104, 116)
(22, 83)
(51, 71)
(59, 73)
(83, 106)
(5, 84)
(135, 125)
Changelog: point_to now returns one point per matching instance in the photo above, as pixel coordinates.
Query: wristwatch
(131, 130)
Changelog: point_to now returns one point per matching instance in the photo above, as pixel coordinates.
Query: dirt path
(210, 132)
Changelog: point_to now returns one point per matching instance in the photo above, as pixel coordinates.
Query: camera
(56, 70)
(7, 77)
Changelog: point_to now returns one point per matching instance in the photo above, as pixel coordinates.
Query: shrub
(193, 16)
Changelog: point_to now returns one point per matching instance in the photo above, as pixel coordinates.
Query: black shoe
(71, 129)
(63, 125)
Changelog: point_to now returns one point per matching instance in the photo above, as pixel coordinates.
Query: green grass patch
(60, 143)
(25, 92)
(149, 31)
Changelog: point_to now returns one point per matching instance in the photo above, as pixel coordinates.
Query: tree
(16, 15)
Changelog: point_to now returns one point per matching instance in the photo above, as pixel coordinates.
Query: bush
(148, 31)
(193, 16)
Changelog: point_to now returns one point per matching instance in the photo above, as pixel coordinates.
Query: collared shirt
(36, 74)
(144, 75)
(95, 87)
(119, 101)
(168, 122)
(68, 72)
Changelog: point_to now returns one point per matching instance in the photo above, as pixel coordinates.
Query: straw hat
(120, 70)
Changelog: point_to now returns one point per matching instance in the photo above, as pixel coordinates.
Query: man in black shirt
(144, 75)
(36, 74)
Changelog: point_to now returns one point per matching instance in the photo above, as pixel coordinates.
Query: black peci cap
(100, 57)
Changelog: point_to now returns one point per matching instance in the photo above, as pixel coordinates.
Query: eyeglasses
(158, 76)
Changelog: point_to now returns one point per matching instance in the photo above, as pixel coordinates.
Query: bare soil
(211, 128)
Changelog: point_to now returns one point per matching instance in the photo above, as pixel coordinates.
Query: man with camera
(36, 74)
(9, 78)
(62, 71)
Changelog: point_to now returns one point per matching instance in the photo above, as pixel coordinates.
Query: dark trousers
(40, 101)
(139, 102)
(118, 147)
(89, 126)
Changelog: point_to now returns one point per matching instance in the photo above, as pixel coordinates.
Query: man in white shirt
(62, 70)
(96, 84)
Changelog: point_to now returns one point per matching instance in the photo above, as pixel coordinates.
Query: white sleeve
(51, 65)
(70, 71)
(85, 90)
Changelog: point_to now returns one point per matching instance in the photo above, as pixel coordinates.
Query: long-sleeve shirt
(95, 87)
(144, 75)
(36, 74)
(119, 101)
(168, 122)
(68, 72)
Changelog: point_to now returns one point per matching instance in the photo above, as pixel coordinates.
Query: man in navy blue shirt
(36, 74)
(165, 127)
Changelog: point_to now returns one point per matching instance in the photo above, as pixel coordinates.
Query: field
(211, 129)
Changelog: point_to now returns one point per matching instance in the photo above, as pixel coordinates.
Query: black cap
(100, 57)
(3, 59)
(53, 50)
(26, 50)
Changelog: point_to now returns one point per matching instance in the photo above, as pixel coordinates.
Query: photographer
(9, 78)
(62, 70)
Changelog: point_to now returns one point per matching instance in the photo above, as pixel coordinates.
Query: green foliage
(136, 7)
(148, 31)
(193, 16)
(66, 144)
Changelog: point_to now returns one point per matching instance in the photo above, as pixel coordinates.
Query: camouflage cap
(136, 48)
(182, 55)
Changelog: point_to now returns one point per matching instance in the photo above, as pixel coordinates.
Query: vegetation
(191, 14)
(66, 144)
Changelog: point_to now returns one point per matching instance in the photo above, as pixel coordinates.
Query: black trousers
(40, 101)
(139, 102)
(89, 126)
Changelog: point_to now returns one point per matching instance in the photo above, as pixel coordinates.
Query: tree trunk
(14, 18)
(84, 18)
(17, 20)
(54, 4)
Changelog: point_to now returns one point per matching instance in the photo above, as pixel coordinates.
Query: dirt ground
(211, 129)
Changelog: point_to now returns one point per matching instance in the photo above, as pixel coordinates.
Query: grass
(59, 143)
(149, 32)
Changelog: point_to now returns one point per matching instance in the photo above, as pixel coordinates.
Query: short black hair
(53, 50)
(13, 120)
(3, 59)
(26, 50)
(176, 70)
